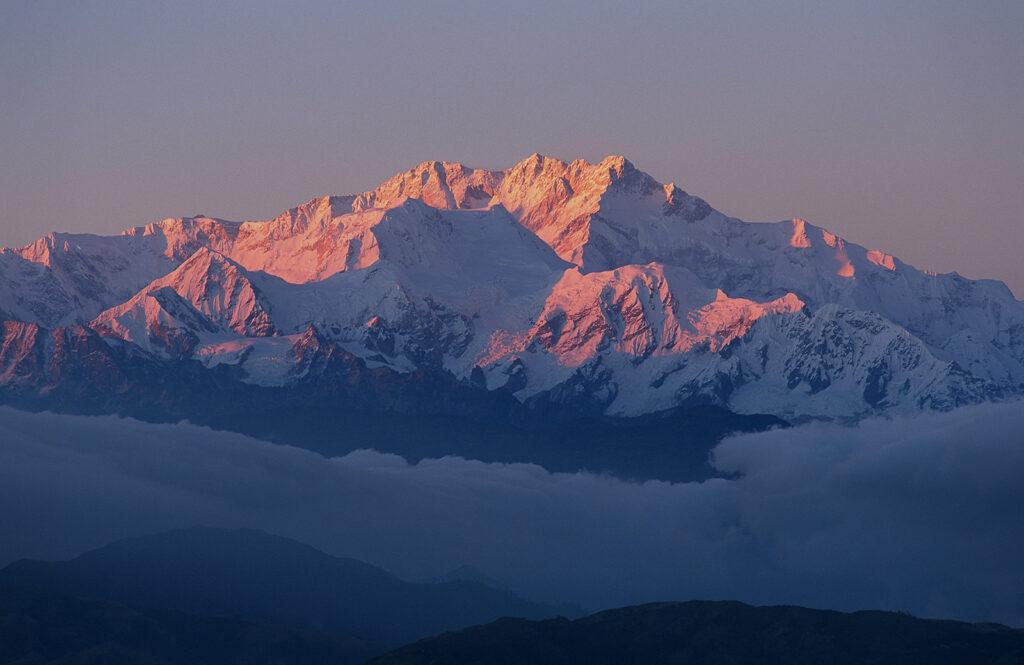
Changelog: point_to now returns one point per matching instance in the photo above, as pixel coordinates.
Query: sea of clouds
(922, 514)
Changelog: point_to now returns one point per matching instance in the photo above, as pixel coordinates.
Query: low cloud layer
(923, 514)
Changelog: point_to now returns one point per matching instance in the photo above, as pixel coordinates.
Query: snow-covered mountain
(590, 288)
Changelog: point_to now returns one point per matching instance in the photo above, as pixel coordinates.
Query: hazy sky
(897, 125)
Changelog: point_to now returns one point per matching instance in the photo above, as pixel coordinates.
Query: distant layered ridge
(720, 633)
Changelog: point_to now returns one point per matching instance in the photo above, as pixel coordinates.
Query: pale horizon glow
(894, 125)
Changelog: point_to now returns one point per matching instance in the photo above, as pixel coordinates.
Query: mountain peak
(446, 185)
(320, 208)
(559, 201)
(617, 163)
(208, 287)
(536, 164)
(207, 266)
(622, 176)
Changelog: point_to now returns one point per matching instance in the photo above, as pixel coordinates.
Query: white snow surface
(594, 280)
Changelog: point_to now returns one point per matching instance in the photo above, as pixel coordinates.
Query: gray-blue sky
(897, 125)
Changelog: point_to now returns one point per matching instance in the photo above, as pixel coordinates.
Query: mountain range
(720, 633)
(211, 595)
(248, 577)
(537, 297)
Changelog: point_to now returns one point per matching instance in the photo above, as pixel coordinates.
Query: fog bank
(920, 514)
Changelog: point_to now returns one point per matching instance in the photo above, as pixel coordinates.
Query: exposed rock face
(590, 288)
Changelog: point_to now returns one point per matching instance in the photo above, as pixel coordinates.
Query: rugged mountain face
(69, 278)
(564, 288)
(207, 294)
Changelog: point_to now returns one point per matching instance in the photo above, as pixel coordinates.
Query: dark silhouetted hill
(720, 633)
(38, 628)
(253, 576)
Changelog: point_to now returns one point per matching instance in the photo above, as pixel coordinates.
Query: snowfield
(573, 281)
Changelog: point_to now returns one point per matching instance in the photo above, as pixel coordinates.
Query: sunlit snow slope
(591, 287)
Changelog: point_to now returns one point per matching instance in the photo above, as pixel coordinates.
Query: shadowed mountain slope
(253, 576)
(46, 629)
(720, 633)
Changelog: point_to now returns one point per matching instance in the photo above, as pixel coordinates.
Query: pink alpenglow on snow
(544, 275)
